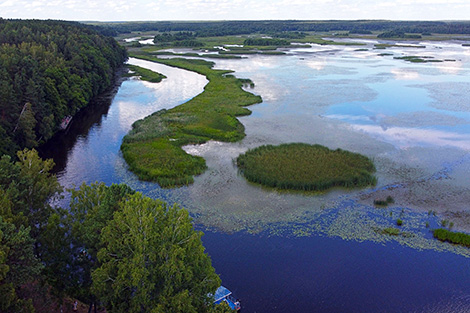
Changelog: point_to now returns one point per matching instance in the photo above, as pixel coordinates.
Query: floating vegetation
(152, 149)
(392, 231)
(384, 54)
(418, 59)
(399, 222)
(452, 237)
(386, 202)
(306, 167)
(145, 74)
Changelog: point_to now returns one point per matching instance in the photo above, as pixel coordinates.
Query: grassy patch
(452, 237)
(145, 74)
(391, 231)
(320, 41)
(197, 55)
(153, 147)
(306, 167)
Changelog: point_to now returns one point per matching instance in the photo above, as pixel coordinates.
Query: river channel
(297, 252)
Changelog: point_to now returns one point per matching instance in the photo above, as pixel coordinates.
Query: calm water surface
(315, 253)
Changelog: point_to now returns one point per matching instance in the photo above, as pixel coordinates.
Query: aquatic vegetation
(399, 222)
(418, 59)
(152, 148)
(458, 238)
(386, 202)
(306, 167)
(145, 74)
(392, 231)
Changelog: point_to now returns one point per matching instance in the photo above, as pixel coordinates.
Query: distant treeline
(179, 39)
(49, 70)
(223, 28)
(398, 34)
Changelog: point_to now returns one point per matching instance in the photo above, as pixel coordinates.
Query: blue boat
(222, 294)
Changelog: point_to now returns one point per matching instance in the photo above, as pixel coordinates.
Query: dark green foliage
(399, 222)
(386, 202)
(398, 34)
(162, 258)
(18, 266)
(306, 167)
(452, 237)
(266, 42)
(290, 35)
(223, 28)
(170, 37)
(153, 260)
(48, 70)
(179, 39)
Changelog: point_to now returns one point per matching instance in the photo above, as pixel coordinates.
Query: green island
(145, 74)
(153, 147)
(306, 167)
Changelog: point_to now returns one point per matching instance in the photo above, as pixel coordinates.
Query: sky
(159, 10)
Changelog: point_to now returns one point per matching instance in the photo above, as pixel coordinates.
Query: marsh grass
(152, 148)
(452, 237)
(145, 74)
(306, 167)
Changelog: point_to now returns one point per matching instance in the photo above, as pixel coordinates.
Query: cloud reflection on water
(404, 137)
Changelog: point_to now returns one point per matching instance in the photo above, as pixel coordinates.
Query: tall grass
(452, 237)
(146, 74)
(152, 148)
(301, 166)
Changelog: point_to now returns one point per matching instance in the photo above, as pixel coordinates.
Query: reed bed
(306, 167)
(458, 238)
(152, 148)
(146, 74)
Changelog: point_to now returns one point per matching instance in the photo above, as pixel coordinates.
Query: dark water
(320, 274)
(313, 273)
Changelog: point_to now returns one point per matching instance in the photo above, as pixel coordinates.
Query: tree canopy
(49, 70)
(113, 247)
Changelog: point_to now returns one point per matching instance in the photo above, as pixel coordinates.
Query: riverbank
(153, 147)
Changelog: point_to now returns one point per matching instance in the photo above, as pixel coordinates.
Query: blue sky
(139, 10)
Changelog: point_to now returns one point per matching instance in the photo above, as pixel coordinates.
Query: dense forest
(49, 70)
(113, 248)
(223, 28)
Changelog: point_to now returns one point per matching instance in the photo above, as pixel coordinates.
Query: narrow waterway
(306, 253)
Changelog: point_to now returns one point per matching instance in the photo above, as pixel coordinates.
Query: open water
(295, 252)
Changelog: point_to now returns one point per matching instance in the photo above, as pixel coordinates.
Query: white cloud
(235, 9)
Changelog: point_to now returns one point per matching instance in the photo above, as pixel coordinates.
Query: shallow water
(412, 119)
